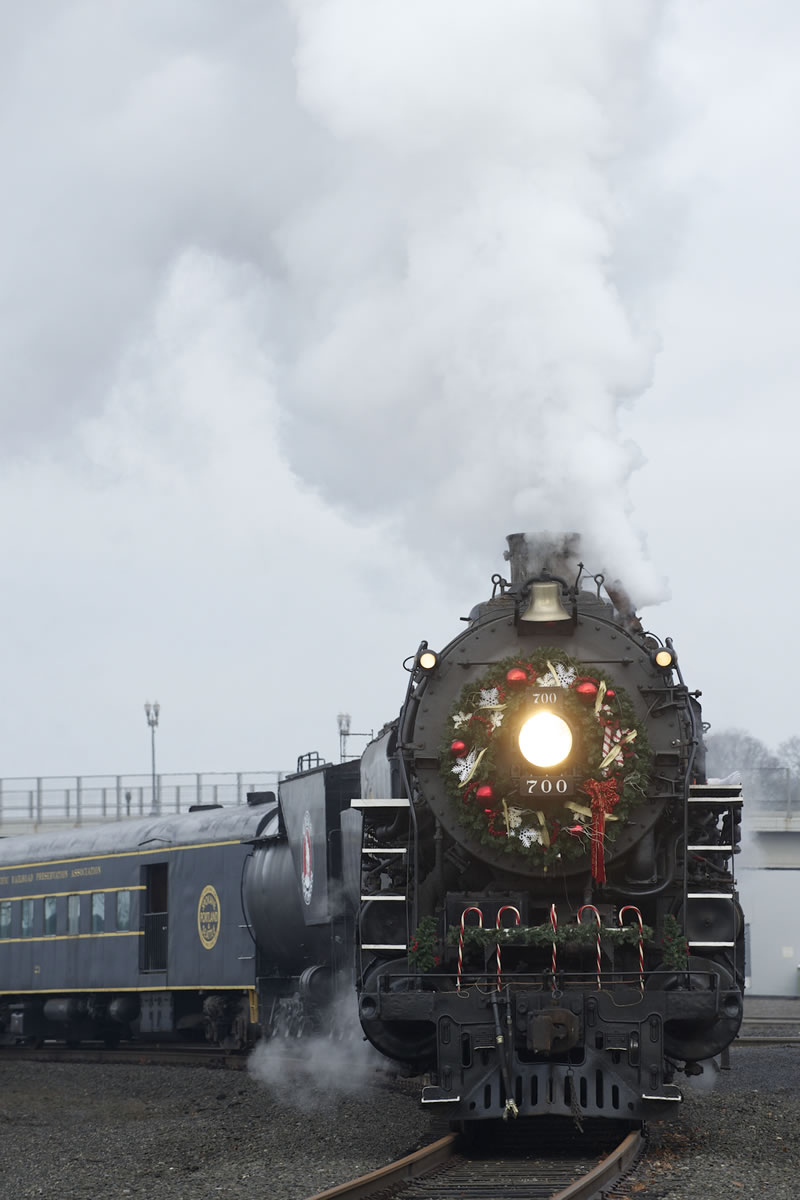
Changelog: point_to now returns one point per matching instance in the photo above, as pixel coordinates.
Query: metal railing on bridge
(771, 799)
(32, 803)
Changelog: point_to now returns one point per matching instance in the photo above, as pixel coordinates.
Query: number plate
(546, 787)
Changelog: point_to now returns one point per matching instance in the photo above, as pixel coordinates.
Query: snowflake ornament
(530, 837)
(490, 698)
(461, 718)
(463, 766)
(495, 720)
(564, 677)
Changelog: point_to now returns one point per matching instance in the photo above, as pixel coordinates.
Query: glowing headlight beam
(545, 739)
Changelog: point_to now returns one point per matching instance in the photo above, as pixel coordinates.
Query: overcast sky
(307, 304)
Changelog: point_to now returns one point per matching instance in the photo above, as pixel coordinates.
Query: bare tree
(789, 755)
(768, 778)
(734, 750)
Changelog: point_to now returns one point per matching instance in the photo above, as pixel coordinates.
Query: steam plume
(418, 203)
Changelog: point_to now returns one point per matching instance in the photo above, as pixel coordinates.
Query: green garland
(481, 718)
(422, 952)
(675, 956)
(545, 935)
(425, 943)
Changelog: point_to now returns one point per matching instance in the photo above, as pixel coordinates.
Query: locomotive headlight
(664, 658)
(428, 660)
(545, 739)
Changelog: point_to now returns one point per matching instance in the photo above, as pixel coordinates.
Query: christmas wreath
(481, 764)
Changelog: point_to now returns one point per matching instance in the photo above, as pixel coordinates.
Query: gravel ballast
(737, 1134)
(295, 1124)
(92, 1132)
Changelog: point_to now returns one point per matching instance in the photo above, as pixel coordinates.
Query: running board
(674, 1099)
(433, 1095)
(397, 803)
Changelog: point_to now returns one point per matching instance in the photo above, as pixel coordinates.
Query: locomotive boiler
(547, 914)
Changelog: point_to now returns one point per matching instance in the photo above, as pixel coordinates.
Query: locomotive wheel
(410, 1042)
(686, 1039)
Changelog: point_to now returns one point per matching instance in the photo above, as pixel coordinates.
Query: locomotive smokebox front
(540, 715)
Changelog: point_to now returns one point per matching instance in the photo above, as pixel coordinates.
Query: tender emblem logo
(307, 876)
(208, 917)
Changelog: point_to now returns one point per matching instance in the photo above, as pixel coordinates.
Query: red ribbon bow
(604, 795)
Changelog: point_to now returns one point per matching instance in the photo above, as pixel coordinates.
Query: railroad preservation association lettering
(48, 876)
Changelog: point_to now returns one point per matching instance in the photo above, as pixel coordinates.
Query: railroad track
(526, 1160)
(769, 1031)
(133, 1053)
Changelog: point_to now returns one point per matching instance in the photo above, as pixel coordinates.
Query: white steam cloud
(314, 1072)
(466, 348)
(419, 208)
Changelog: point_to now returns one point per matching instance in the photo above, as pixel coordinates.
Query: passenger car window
(27, 918)
(73, 914)
(98, 912)
(50, 927)
(123, 910)
(5, 919)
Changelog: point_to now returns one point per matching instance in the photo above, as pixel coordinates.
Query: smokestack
(624, 606)
(559, 553)
(533, 553)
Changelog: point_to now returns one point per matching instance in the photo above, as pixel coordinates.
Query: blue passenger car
(135, 927)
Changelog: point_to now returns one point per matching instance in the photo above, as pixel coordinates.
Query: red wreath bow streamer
(604, 794)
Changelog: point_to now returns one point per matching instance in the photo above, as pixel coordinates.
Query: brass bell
(545, 604)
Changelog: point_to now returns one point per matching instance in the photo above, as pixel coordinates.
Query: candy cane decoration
(461, 940)
(591, 908)
(500, 911)
(554, 923)
(632, 908)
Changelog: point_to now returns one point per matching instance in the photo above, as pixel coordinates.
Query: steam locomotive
(538, 873)
(527, 880)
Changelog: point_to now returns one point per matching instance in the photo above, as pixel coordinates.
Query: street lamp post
(344, 733)
(151, 712)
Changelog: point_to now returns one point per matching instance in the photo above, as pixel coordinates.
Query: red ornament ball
(610, 693)
(516, 676)
(587, 689)
(484, 792)
(459, 749)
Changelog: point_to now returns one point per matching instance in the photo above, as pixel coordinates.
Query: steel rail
(774, 1040)
(607, 1172)
(410, 1167)
(588, 1186)
(771, 1020)
(210, 1057)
